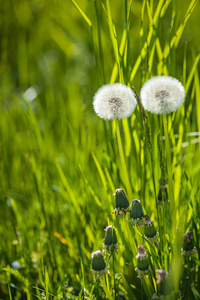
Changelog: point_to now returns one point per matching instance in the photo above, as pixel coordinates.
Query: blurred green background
(52, 61)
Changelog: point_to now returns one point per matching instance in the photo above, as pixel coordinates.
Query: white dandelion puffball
(114, 101)
(162, 94)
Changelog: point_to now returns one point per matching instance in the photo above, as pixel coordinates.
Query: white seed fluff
(114, 101)
(162, 94)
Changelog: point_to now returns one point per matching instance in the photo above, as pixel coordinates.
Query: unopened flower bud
(188, 247)
(149, 230)
(161, 275)
(164, 286)
(137, 214)
(110, 239)
(142, 262)
(122, 203)
(98, 263)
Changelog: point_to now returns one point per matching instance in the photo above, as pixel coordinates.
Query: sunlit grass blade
(101, 173)
(113, 36)
(177, 36)
(67, 186)
(106, 289)
(197, 91)
(82, 13)
(123, 45)
(98, 202)
(123, 168)
(193, 70)
(151, 33)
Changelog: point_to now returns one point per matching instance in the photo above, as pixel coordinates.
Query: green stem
(169, 164)
(149, 146)
(114, 273)
(172, 204)
(146, 288)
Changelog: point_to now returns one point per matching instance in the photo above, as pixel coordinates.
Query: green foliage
(60, 164)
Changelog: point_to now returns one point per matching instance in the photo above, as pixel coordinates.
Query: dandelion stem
(113, 255)
(169, 164)
(149, 145)
(172, 203)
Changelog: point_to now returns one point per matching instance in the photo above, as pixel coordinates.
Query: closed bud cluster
(122, 203)
(143, 267)
(110, 240)
(137, 214)
(161, 275)
(98, 263)
(149, 230)
(188, 247)
(164, 286)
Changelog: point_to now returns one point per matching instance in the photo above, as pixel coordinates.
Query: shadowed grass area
(60, 164)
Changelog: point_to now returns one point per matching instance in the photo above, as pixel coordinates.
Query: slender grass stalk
(124, 170)
(149, 145)
(9, 292)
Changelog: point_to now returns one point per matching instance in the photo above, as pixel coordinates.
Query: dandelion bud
(98, 263)
(161, 275)
(122, 203)
(137, 214)
(110, 239)
(188, 247)
(142, 262)
(149, 230)
(164, 286)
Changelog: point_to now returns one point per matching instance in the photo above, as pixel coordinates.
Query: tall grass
(60, 164)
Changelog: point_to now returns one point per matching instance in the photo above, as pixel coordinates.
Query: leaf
(82, 13)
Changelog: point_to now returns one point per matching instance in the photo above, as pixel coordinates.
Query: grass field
(61, 164)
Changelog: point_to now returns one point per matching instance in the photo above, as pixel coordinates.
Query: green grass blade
(123, 168)
(82, 13)
(123, 45)
(192, 72)
(101, 173)
(177, 36)
(151, 33)
(113, 36)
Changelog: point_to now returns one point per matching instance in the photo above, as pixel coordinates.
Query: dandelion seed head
(114, 101)
(162, 94)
